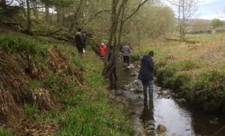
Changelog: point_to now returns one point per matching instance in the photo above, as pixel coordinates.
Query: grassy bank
(50, 90)
(195, 71)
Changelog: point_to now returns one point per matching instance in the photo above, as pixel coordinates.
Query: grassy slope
(61, 94)
(95, 115)
(195, 71)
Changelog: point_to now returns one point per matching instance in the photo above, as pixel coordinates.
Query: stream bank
(164, 110)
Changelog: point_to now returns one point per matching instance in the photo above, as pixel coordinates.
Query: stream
(164, 109)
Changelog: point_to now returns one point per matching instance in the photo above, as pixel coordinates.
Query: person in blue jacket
(146, 74)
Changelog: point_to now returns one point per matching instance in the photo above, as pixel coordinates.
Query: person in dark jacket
(84, 38)
(146, 74)
(112, 57)
(79, 41)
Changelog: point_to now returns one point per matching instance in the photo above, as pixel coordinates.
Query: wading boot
(150, 94)
(145, 94)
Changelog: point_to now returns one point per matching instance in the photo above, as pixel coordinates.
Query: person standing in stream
(126, 50)
(146, 74)
(112, 67)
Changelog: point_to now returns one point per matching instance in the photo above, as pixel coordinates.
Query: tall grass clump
(5, 132)
(14, 43)
(170, 72)
(94, 119)
(164, 75)
(30, 109)
(208, 91)
(179, 80)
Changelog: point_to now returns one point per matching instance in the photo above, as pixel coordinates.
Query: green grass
(94, 119)
(30, 109)
(88, 109)
(5, 132)
(204, 37)
(14, 43)
(196, 71)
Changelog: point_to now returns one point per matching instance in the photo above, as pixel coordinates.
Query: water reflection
(147, 113)
(147, 117)
(203, 124)
(179, 119)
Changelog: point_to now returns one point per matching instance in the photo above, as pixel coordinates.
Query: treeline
(221, 30)
(48, 17)
(201, 26)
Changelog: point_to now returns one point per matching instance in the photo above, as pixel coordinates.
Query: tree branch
(139, 6)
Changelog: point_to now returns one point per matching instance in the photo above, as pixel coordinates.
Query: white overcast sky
(210, 9)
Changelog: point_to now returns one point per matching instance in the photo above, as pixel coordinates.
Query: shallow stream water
(178, 118)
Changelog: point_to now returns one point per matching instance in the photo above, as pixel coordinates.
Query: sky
(208, 9)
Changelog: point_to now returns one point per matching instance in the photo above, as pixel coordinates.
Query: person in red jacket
(102, 50)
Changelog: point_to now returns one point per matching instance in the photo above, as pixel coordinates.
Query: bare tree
(118, 19)
(186, 10)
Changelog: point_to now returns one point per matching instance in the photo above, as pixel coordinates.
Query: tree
(28, 16)
(186, 10)
(199, 26)
(118, 19)
(47, 5)
(216, 23)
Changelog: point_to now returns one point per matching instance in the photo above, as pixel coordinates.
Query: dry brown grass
(212, 52)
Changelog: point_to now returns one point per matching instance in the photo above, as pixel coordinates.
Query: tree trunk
(59, 15)
(47, 12)
(118, 10)
(3, 3)
(28, 16)
(75, 16)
